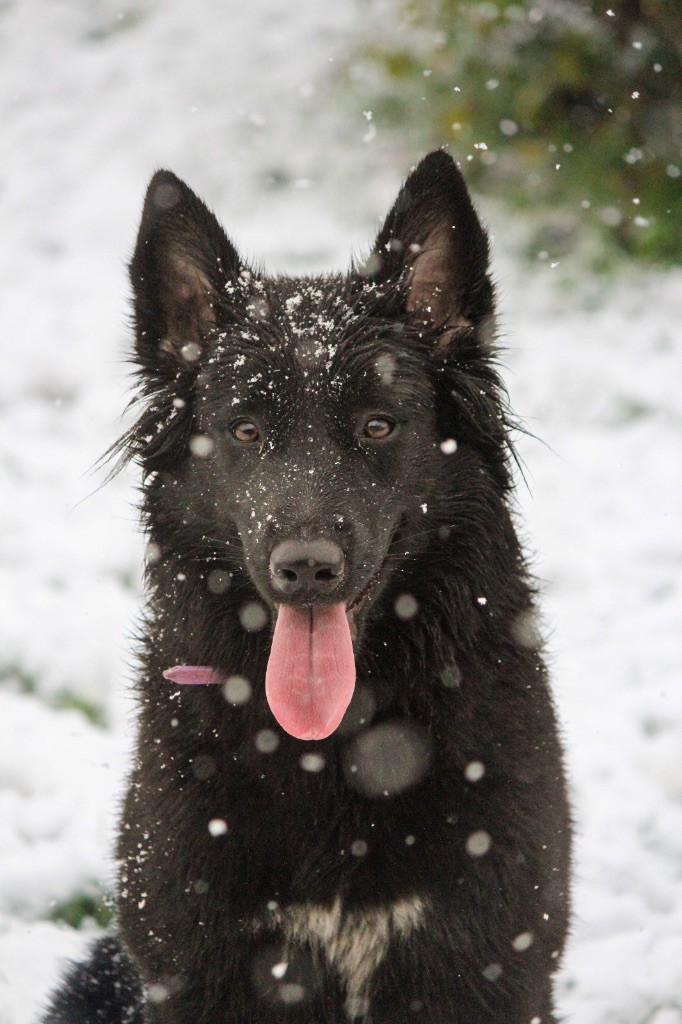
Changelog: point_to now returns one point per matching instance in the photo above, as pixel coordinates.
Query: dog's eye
(378, 428)
(245, 431)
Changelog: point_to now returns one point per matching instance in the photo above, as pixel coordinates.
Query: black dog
(327, 481)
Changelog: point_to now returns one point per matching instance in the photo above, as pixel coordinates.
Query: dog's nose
(313, 568)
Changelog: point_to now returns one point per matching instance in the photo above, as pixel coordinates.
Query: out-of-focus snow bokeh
(243, 101)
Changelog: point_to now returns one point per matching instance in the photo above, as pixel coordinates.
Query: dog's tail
(103, 990)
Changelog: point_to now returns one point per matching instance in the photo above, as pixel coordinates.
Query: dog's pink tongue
(310, 676)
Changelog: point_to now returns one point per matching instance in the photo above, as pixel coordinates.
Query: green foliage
(82, 907)
(124, 22)
(64, 700)
(554, 104)
(16, 674)
(68, 700)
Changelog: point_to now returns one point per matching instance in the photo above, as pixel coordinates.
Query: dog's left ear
(433, 242)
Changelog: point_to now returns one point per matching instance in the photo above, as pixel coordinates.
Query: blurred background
(296, 123)
(567, 110)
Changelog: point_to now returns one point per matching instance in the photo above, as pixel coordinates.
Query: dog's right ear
(185, 275)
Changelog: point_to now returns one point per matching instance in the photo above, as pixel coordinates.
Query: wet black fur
(408, 334)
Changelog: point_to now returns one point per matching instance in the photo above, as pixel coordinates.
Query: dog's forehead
(314, 317)
(309, 339)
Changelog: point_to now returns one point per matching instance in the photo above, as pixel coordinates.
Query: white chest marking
(354, 942)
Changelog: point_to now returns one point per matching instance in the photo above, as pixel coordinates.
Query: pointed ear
(185, 275)
(433, 242)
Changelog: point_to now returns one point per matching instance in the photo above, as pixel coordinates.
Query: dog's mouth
(310, 675)
(356, 603)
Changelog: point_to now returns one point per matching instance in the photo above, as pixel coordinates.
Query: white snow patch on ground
(240, 100)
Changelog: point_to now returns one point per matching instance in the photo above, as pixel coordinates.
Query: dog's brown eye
(245, 431)
(378, 428)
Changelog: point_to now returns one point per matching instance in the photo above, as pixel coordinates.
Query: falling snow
(525, 630)
(406, 606)
(217, 827)
(474, 771)
(157, 993)
(386, 367)
(253, 616)
(218, 581)
(201, 445)
(388, 758)
(451, 677)
(312, 762)
(523, 941)
(237, 689)
(267, 741)
(478, 843)
(190, 352)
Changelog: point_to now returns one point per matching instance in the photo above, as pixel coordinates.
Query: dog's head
(314, 435)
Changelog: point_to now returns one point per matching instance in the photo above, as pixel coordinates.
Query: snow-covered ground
(242, 100)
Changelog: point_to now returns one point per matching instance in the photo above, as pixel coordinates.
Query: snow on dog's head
(312, 436)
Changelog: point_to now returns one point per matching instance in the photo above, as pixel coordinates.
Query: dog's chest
(353, 942)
